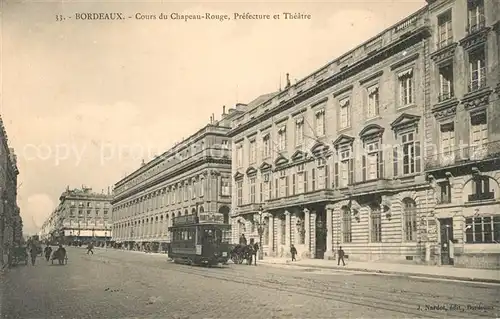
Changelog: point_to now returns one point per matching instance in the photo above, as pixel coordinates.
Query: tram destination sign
(211, 218)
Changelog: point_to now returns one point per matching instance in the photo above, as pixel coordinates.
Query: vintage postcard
(249, 159)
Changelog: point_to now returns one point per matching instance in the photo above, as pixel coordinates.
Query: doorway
(321, 234)
(447, 250)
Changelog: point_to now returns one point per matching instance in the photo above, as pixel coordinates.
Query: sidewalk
(441, 272)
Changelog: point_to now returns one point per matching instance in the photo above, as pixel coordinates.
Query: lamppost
(261, 232)
(105, 236)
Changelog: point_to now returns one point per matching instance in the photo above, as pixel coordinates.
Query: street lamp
(261, 232)
(105, 236)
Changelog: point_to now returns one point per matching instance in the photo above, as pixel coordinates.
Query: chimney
(108, 190)
(224, 109)
(287, 80)
(213, 117)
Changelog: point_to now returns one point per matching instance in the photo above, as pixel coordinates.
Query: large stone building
(337, 159)
(463, 132)
(192, 177)
(9, 211)
(81, 216)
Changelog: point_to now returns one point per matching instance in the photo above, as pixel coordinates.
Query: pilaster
(293, 229)
(307, 226)
(312, 238)
(329, 232)
(287, 230)
(271, 237)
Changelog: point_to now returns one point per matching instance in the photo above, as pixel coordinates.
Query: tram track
(366, 295)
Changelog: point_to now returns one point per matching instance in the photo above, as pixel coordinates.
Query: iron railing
(463, 155)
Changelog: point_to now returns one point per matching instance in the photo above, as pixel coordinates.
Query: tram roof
(198, 224)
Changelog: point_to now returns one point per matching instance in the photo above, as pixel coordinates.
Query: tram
(200, 239)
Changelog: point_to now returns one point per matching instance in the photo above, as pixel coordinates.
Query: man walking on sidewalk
(341, 256)
(293, 252)
(89, 248)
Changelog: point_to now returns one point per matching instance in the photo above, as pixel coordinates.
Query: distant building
(81, 216)
(9, 212)
(192, 177)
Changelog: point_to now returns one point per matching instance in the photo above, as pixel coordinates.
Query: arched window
(410, 219)
(347, 225)
(480, 188)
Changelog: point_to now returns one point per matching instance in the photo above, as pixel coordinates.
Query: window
(447, 142)
(480, 230)
(239, 155)
(282, 138)
(445, 82)
(372, 162)
(202, 187)
(344, 168)
(475, 10)
(479, 132)
(477, 70)
(445, 32)
(376, 224)
(253, 152)
(300, 183)
(345, 113)
(299, 132)
(411, 154)
(252, 190)
(225, 187)
(239, 190)
(347, 225)
(327, 177)
(266, 150)
(480, 188)
(261, 192)
(294, 185)
(373, 102)
(287, 186)
(306, 189)
(410, 219)
(195, 190)
(225, 144)
(320, 123)
(406, 87)
(445, 192)
(313, 179)
(270, 189)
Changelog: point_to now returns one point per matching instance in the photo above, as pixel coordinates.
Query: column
(287, 230)
(293, 229)
(276, 236)
(329, 233)
(270, 250)
(307, 227)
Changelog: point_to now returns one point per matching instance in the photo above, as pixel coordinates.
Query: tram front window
(212, 236)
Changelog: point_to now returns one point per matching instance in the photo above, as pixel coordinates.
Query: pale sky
(84, 101)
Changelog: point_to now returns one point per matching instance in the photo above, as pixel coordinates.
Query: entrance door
(446, 229)
(321, 234)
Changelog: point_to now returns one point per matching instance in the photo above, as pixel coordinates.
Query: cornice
(371, 77)
(445, 53)
(404, 61)
(381, 55)
(477, 99)
(475, 38)
(445, 109)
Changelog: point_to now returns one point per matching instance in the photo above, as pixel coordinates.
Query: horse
(60, 255)
(242, 252)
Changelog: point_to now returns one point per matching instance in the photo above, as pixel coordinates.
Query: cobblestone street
(119, 284)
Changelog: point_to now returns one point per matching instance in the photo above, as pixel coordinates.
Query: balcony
(373, 186)
(471, 29)
(302, 199)
(481, 196)
(463, 156)
(248, 208)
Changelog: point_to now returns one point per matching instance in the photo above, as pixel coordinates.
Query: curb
(405, 274)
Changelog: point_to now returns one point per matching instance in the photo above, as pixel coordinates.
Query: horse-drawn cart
(19, 255)
(239, 253)
(60, 255)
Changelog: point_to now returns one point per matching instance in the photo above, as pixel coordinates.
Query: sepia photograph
(249, 159)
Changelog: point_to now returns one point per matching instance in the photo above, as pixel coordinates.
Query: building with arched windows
(352, 154)
(462, 132)
(192, 177)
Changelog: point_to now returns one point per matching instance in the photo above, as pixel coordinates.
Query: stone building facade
(9, 212)
(81, 216)
(463, 131)
(336, 159)
(192, 177)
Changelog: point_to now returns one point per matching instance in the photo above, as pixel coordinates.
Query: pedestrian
(341, 256)
(255, 250)
(48, 252)
(293, 251)
(33, 253)
(89, 248)
(243, 240)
